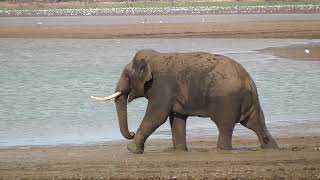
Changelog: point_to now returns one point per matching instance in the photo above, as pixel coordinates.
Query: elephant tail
(245, 115)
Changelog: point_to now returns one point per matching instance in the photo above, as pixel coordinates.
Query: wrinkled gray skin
(178, 85)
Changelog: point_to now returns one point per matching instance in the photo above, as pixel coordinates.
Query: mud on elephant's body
(178, 85)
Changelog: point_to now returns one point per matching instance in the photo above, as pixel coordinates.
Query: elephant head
(130, 86)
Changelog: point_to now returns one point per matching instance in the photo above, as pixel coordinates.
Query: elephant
(179, 85)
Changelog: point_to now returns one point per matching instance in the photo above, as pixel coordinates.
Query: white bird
(306, 51)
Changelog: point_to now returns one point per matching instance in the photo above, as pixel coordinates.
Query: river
(46, 84)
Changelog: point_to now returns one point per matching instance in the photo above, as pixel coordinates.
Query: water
(45, 88)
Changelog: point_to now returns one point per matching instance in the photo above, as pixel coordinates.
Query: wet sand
(254, 29)
(299, 53)
(298, 157)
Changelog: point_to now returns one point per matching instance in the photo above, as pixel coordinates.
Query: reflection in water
(46, 86)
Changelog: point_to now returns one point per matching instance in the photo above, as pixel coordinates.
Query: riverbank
(253, 29)
(298, 157)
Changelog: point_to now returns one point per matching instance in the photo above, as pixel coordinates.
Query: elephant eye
(140, 73)
(141, 69)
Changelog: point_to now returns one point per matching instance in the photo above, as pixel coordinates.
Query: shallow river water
(45, 88)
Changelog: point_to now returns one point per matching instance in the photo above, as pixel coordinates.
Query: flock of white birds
(164, 10)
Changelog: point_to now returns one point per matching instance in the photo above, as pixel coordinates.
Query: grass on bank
(150, 4)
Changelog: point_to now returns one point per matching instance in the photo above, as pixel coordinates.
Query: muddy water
(45, 86)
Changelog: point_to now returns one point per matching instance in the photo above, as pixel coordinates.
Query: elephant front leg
(155, 116)
(225, 115)
(178, 129)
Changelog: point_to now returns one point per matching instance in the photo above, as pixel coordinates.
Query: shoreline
(298, 157)
(248, 137)
(252, 29)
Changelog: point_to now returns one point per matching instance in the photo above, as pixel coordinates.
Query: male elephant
(178, 85)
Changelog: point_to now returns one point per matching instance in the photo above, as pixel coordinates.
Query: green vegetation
(150, 4)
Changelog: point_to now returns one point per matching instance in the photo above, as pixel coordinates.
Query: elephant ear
(143, 70)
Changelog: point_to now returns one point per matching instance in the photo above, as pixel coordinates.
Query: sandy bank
(298, 158)
(268, 29)
(300, 53)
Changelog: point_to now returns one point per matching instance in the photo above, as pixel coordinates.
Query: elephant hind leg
(256, 123)
(225, 137)
(178, 129)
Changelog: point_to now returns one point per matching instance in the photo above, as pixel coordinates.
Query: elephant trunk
(121, 106)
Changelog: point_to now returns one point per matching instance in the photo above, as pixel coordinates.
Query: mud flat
(297, 158)
(254, 29)
(294, 52)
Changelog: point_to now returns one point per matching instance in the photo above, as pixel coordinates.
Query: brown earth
(269, 29)
(298, 158)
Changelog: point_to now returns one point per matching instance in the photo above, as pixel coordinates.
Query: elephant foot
(132, 147)
(270, 145)
(224, 146)
(180, 147)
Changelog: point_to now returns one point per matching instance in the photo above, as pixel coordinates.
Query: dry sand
(298, 157)
(268, 29)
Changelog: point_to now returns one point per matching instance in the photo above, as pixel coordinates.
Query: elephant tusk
(112, 97)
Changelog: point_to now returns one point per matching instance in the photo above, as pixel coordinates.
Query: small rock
(309, 168)
(281, 169)
(296, 148)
